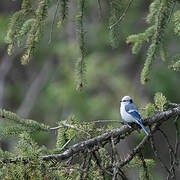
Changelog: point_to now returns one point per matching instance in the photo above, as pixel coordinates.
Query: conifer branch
(103, 139)
(100, 8)
(54, 17)
(73, 127)
(81, 65)
(20, 123)
(161, 21)
(123, 15)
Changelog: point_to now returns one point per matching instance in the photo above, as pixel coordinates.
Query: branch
(54, 17)
(123, 15)
(103, 139)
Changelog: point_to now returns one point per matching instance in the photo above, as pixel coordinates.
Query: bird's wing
(134, 114)
(133, 111)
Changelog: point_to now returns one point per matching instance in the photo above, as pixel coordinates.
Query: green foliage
(26, 5)
(64, 10)
(27, 25)
(176, 20)
(158, 17)
(16, 22)
(14, 125)
(61, 138)
(115, 13)
(176, 66)
(160, 101)
(153, 11)
(27, 147)
(175, 63)
(35, 31)
(14, 27)
(25, 29)
(149, 110)
(27, 22)
(5, 154)
(97, 102)
(138, 39)
(81, 64)
(161, 21)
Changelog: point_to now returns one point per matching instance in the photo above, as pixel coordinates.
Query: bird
(129, 112)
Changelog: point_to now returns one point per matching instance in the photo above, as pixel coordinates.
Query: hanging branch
(54, 17)
(123, 15)
(81, 66)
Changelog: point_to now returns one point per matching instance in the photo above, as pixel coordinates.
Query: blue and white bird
(129, 112)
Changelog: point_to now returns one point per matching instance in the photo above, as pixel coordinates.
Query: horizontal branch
(103, 139)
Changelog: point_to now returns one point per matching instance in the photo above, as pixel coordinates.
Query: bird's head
(126, 100)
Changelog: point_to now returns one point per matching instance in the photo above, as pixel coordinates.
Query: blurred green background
(45, 89)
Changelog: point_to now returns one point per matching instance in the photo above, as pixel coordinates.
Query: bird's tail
(145, 130)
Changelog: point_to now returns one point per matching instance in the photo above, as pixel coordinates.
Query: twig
(100, 8)
(144, 165)
(123, 15)
(65, 145)
(138, 148)
(98, 162)
(177, 143)
(171, 155)
(103, 121)
(56, 128)
(123, 176)
(157, 156)
(73, 127)
(50, 35)
(169, 18)
(115, 160)
(69, 126)
(134, 152)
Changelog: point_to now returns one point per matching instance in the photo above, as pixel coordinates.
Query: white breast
(125, 116)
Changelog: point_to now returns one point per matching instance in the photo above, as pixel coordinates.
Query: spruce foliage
(159, 16)
(25, 30)
(63, 10)
(27, 23)
(115, 13)
(81, 64)
(13, 125)
(26, 27)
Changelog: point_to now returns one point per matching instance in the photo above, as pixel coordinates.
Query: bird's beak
(120, 101)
